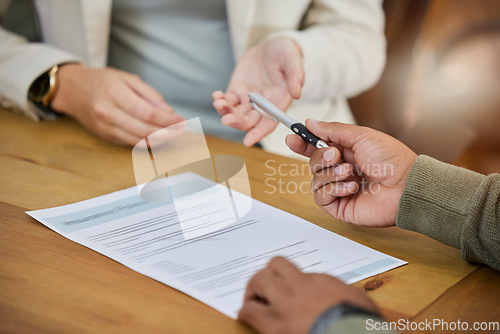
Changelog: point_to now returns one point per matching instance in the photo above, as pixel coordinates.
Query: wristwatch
(335, 313)
(43, 89)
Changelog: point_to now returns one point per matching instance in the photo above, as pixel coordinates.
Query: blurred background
(440, 91)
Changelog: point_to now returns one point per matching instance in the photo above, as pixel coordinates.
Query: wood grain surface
(50, 284)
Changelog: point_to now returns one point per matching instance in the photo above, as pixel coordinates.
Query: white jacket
(342, 43)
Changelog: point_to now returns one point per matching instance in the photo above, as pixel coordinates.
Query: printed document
(207, 241)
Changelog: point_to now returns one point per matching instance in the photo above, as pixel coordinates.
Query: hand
(274, 69)
(115, 105)
(363, 182)
(281, 299)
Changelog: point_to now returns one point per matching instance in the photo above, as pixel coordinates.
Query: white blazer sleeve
(343, 46)
(22, 62)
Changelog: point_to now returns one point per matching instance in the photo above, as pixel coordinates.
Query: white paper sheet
(196, 242)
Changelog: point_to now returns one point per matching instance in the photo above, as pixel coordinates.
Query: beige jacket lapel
(251, 21)
(97, 21)
(240, 14)
(78, 26)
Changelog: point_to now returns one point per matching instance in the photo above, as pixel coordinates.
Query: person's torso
(180, 47)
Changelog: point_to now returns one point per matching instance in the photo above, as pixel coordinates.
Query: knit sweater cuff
(356, 324)
(435, 200)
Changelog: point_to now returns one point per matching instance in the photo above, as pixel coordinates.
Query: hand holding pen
(269, 110)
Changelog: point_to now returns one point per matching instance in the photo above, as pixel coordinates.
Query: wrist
(335, 313)
(281, 40)
(295, 44)
(66, 73)
(42, 91)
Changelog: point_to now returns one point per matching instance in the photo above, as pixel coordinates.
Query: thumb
(294, 74)
(294, 84)
(345, 135)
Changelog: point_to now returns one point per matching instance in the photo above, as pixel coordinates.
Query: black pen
(265, 107)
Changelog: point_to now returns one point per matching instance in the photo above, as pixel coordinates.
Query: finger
(231, 104)
(218, 94)
(257, 315)
(295, 85)
(238, 94)
(259, 131)
(348, 155)
(299, 146)
(147, 92)
(284, 268)
(167, 134)
(135, 126)
(141, 109)
(294, 72)
(263, 285)
(345, 135)
(231, 119)
(120, 136)
(243, 122)
(222, 107)
(119, 119)
(222, 104)
(331, 175)
(324, 158)
(234, 99)
(330, 192)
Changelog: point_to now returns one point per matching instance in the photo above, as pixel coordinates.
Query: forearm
(343, 47)
(21, 62)
(455, 206)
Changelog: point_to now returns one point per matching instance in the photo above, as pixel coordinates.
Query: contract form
(198, 243)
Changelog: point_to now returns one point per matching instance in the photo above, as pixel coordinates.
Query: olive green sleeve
(358, 324)
(455, 206)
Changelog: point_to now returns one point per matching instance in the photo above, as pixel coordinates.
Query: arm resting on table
(21, 63)
(455, 206)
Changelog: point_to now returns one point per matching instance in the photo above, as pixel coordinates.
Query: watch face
(40, 86)
(42, 90)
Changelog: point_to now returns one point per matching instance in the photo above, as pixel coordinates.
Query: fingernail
(299, 88)
(314, 121)
(329, 155)
(166, 107)
(247, 142)
(351, 185)
(339, 170)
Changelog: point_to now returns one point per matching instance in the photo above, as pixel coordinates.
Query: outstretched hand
(361, 178)
(274, 69)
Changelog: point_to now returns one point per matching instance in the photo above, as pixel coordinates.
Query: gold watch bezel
(51, 77)
(53, 86)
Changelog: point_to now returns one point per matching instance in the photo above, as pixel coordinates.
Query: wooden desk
(50, 284)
